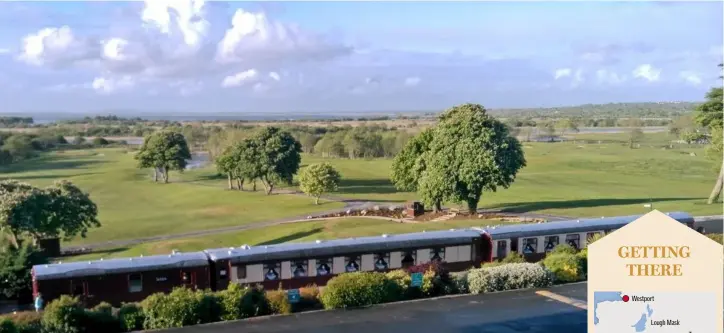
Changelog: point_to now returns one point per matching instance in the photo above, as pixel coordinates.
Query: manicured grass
(294, 232)
(131, 206)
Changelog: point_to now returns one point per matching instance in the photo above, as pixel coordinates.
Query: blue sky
(194, 56)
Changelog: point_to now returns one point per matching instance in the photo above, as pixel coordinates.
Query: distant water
(198, 160)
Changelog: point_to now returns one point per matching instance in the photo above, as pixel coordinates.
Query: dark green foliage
(26, 321)
(279, 156)
(239, 302)
(566, 267)
(131, 317)
(64, 315)
(359, 289)
(99, 141)
(164, 151)
(101, 320)
(7, 326)
(181, 307)
(563, 248)
(58, 210)
(15, 265)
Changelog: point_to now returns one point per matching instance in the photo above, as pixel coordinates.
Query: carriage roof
(335, 247)
(121, 265)
(572, 226)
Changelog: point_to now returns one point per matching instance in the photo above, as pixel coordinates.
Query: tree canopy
(317, 179)
(60, 210)
(470, 152)
(276, 156)
(15, 264)
(710, 115)
(164, 151)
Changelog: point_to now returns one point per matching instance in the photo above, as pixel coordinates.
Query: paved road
(508, 312)
(712, 224)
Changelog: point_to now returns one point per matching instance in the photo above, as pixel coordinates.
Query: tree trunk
(714, 196)
(231, 186)
(316, 200)
(268, 186)
(473, 204)
(165, 175)
(155, 174)
(240, 184)
(253, 186)
(437, 207)
(14, 239)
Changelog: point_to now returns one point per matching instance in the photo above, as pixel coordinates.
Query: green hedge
(508, 277)
(181, 307)
(359, 289)
(564, 266)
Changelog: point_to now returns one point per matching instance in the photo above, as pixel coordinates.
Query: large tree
(60, 210)
(15, 265)
(471, 152)
(317, 179)
(163, 151)
(276, 156)
(409, 165)
(709, 114)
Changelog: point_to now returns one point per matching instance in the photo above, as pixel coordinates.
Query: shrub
(583, 260)
(359, 289)
(99, 141)
(181, 307)
(719, 238)
(279, 302)
(460, 280)
(7, 326)
(508, 277)
(565, 267)
(239, 302)
(309, 299)
(64, 315)
(563, 248)
(26, 321)
(100, 321)
(104, 307)
(131, 317)
(403, 280)
(511, 258)
(209, 307)
(436, 280)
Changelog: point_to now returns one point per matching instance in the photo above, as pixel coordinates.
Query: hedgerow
(508, 277)
(565, 267)
(359, 289)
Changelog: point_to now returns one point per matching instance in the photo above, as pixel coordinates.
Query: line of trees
(271, 156)
(466, 153)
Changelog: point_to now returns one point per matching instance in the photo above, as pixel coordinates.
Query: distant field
(570, 179)
(297, 232)
(131, 205)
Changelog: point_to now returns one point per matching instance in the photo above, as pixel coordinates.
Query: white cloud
(562, 72)
(412, 81)
(254, 38)
(109, 85)
(260, 87)
(609, 77)
(647, 72)
(240, 78)
(4, 50)
(172, 41)
(690, 77)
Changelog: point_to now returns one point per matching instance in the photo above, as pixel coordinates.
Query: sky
(171, 56)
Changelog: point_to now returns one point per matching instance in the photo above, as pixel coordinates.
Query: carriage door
(79, 288)
(502, 249)
(188, 279)
(514, 244)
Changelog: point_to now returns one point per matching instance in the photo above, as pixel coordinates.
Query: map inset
(680, 312)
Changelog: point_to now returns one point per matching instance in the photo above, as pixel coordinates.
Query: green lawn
(561, 178)
(295, 232)
(130, 205)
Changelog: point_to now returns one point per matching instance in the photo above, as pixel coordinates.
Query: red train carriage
(299, 264)
(121, 280)
(534, 240)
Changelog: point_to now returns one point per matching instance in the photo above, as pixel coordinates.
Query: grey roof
(572, 226)
(121, 265)
(246, 254)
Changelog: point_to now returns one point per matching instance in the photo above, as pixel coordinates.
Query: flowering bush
(279, 302)
(508, 277)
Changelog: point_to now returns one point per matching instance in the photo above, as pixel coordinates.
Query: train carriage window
(591, 235)
(437, 254)
(223, 275)
(352, 263)
(408, 258)
(551, 242)
(272, 271)
(530, 245)
(241, 272)
(324, 266)
(574, 240)
(299, 268)
(382, 261)
(502, 248)
(135, 283)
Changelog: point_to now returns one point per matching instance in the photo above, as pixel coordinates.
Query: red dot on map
(625, 298)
